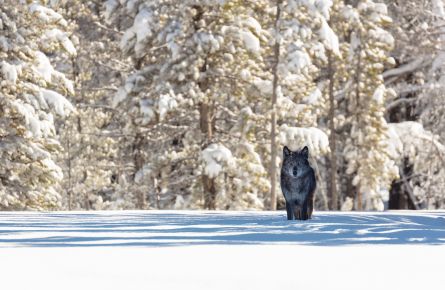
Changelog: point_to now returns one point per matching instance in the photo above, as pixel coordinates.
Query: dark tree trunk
(358, 194)
(138, 161)
(332, 138)
(206, 125)
(273, 134)
(400, 195)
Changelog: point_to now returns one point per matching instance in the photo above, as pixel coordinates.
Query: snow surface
(221, 250)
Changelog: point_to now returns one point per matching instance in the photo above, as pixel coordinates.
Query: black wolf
(298, 184)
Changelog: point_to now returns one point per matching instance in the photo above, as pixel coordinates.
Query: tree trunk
(70, 191)
(332, 137)
(358, 196)
(401, 195)
(273, 133)
(138, 161)
(209, 192)
(206, 125)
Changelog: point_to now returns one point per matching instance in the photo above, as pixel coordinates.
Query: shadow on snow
(161, 229)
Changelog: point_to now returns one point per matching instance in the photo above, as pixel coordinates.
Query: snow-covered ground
(221, 250)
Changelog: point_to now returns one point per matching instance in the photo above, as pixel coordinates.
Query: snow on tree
(305, 38)
(183, 94)
(412, 145)
(211, 59)
(418, 82)
(371, 168)
(32, 91)
(417, 79)
(184, 104)
(91, 136)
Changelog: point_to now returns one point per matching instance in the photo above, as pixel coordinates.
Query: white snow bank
(224, 267)
(169, 228)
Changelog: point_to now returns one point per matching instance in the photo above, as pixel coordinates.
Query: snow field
(221, 250)
(224, 267)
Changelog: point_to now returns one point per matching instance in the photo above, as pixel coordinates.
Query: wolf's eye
(294, 171)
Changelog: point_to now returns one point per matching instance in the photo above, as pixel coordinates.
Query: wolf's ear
(286, 151)
(305, 152)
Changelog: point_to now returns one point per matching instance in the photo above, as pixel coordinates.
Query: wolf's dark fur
(298, 184)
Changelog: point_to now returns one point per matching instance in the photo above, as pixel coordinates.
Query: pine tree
(212, 59)
(417, 106)
(90, 136)
(365, 150)
(31, 91)
(183, 96)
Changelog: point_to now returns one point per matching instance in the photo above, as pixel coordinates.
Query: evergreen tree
(31, 92)
(90, 136)
(368, 162)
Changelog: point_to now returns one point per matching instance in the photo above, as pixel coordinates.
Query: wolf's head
(295, 163)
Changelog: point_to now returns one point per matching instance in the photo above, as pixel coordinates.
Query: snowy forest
(187, 104)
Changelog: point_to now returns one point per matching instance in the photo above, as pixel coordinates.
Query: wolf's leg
(304, 211)
(311, 206)
(297, 212)
(289, 211)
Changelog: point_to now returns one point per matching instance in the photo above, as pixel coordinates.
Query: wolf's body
(298, 184)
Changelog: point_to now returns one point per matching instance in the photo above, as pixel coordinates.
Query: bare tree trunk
(332, 137)
(206, 125)
(138, 164)
(273, 133)
(70, 192)
(75, 70)
(86, 199)
(157, 192)
(358, 196)
(209, 192)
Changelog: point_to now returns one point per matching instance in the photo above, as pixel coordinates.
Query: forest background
(170, 104)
